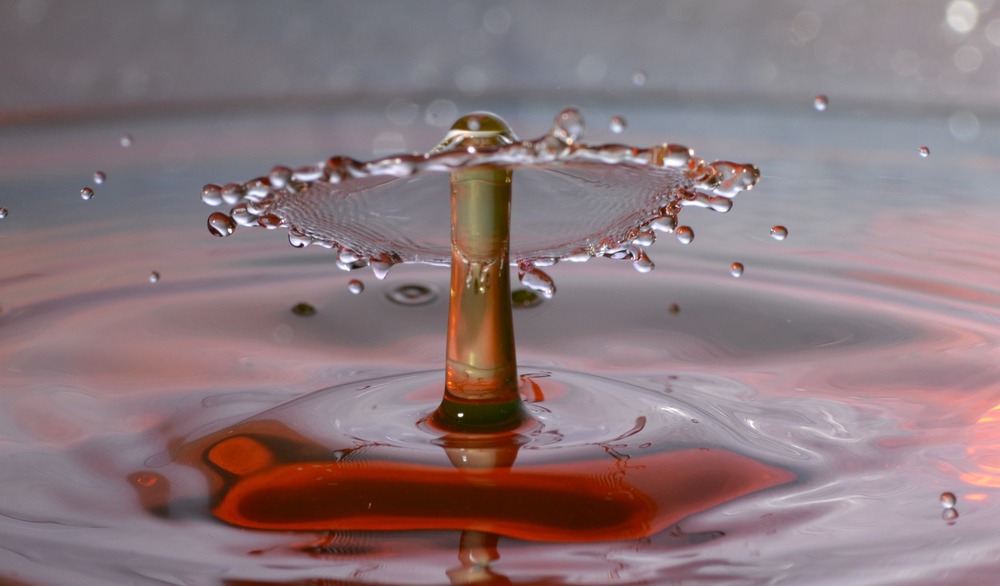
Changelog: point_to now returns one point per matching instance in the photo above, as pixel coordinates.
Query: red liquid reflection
(266, 477)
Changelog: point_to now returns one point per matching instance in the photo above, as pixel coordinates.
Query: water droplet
(685, 234)
(524, 298)
(618, 124)
(924, 151)
(412, 294)
(355, 286)
(380, 266)
(736, 269)
(820, 103)
(948, 500)
(3, 213)
(674, 309)
(779, 232)
(211, 194)
(99, 177)
(538, 280)
(303, 309)
(219, 224)
(154, 277)
(232, 193)
(568, 126)
(641, 261)
(86, 193)
(949, 515)
(125, 140)
(639, 78)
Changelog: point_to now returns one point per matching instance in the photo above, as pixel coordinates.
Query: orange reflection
(984, 450)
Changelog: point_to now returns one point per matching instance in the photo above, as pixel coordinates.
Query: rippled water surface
(859, 354)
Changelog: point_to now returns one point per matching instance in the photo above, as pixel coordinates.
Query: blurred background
(92, 58)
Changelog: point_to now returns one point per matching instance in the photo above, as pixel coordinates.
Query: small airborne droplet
(303, 309)
(924, 152)
(355, 286)
(618, 124)
(948, 500)
(820, 103)
(154, 277)
(639, 78)
(674, 309)
(779, 232)
(736, 269)
(3, 213)
(86, 194)
(685, 234)
(99, 177)
(125, 140)
(220, 224)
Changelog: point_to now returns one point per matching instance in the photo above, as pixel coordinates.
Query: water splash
(572, 201)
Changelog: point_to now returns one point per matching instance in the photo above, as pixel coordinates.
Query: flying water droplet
(220, 224)
(685, 234)
(303, 309)
(568, 126)
(948, 500)
(125, 140)
(924, 152)
(820, 103)
(99, 177)
(86, 194)
(639, 78)
(618, 124)
(641, 262)
(154, 277)
(524, 298)
(736, 269)
(412, 294)
(355, 286)
(3, 213)
(674, 309)
(211, 194)
(779, 232)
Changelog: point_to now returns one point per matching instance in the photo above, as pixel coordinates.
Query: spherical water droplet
(303, 309)
(355, 286)
(86, 193)
(820, 103)
(618, 124)
(949, 515)
(924, 152)
(948, 500)
(3, 213)
(674, 309)
(779, 232)
(685, 234)
(639, 78)
(211, 194)
(125, 140)
(154, 277)
(412, 294)
(568, 126)
(736, 269)
(524, 298)
(219, 224)
(99, 177)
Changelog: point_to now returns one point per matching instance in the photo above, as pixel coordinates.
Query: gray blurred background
(98, 58)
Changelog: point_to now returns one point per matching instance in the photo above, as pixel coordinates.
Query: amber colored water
(858, 355)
